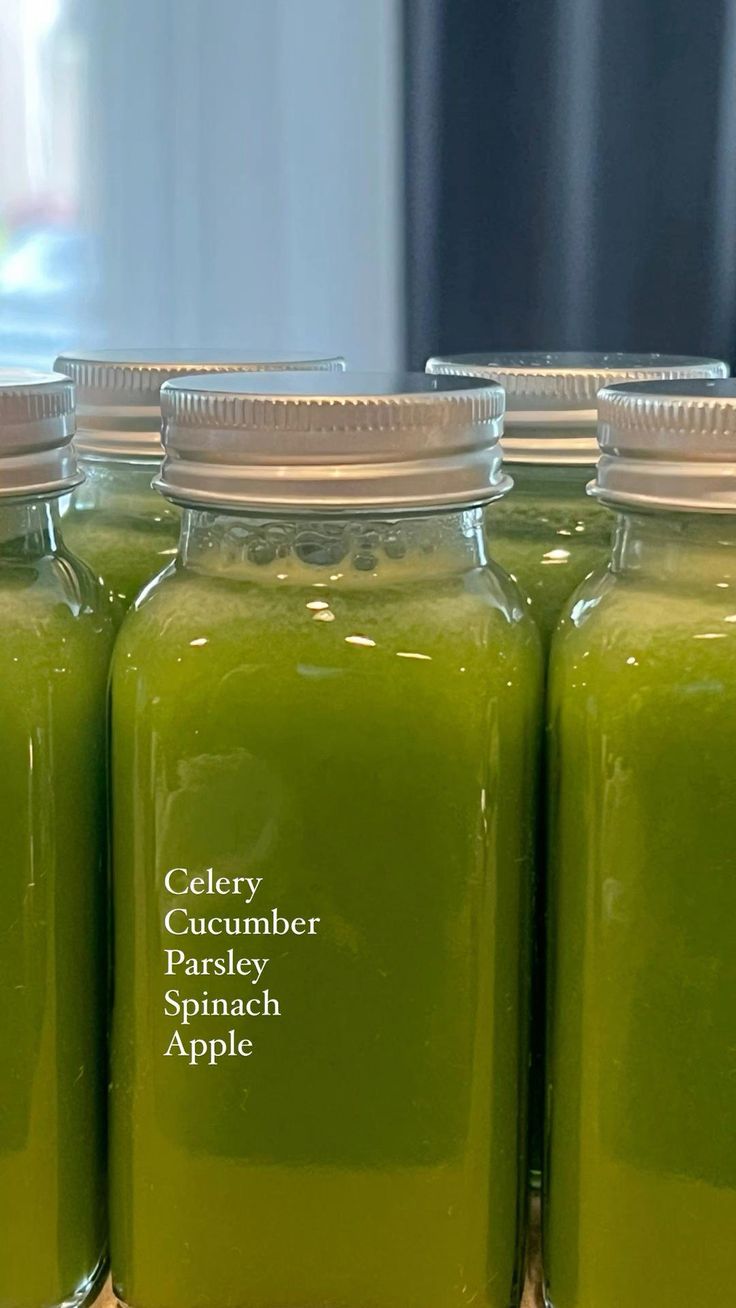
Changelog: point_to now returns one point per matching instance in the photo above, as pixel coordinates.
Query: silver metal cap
(551, 398)
(36, 429)
(332, 442)
(668, 446)
(118, 413)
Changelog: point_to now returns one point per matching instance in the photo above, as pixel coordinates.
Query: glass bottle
(116, 521)
(641, 1188)
(549, 534)
(54, 655)
(331, 692)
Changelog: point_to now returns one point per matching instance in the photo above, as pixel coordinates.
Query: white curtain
(238, 175)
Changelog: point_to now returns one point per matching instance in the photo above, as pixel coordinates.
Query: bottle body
(57, 636)
(549, 535)
(120, 525)
(335, 715)
(642, 713)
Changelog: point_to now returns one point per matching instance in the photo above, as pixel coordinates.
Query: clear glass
(549, 535)
(641, 1190)
(54, 656)
(121, 526)
(349, 711)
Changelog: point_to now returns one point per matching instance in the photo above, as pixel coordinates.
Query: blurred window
(43, 250)
(200, 173)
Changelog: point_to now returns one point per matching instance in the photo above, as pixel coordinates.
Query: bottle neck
(551, 480)
(29, 529)
(349, 552)
(696, 549)
(124, 481)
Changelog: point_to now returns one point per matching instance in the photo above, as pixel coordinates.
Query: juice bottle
(57, 636)
(641, 1187)
(549, 534)
(325, 716)
(115, 520)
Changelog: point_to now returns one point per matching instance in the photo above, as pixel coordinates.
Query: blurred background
(381, 178)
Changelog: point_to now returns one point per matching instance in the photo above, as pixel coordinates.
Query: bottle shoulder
(618, 623)
(54, 586)
(466, 612)
(58, 634)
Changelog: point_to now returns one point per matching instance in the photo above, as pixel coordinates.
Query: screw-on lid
(668, 446)
(36, 428)
(332, 442)
(551, 398)
(118, 412)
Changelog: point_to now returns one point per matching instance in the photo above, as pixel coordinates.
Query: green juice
(549, 535)
(54, 655)
(345, 713)
(642, 1149)
(123, 528)
(126, 531)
